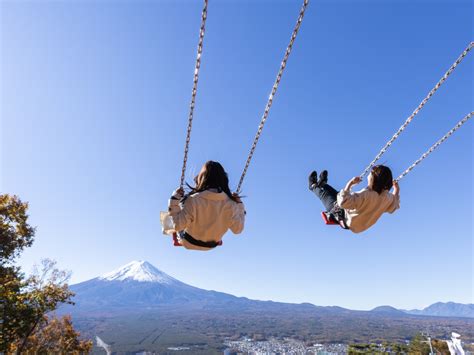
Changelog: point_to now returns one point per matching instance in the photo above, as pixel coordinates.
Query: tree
(15, 235)
(15, 232)
(419, 345)
(25, 302)
(364, 349)
(56, 335)
(43, 292)
(397, 348)
(440, 346)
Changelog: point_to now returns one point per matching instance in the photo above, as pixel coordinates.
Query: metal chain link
(194, 92)
(420, 106)
(436, 145)
(273, 92)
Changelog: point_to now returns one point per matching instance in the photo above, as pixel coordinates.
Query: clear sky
(94, 104)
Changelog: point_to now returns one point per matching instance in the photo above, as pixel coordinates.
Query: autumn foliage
(25, 302)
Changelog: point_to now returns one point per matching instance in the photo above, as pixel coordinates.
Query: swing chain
(194, 92)
(273, 92)
(418, 109)
(436, 145)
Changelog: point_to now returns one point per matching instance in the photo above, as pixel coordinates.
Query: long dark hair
(212, 176)
(383, 178)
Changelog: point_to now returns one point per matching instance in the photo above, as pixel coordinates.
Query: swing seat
(331, 221)
(328, 219)
(175, 240)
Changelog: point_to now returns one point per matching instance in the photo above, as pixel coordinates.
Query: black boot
(313, 179)
(323, 178)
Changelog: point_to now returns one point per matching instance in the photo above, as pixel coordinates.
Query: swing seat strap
(199, 243)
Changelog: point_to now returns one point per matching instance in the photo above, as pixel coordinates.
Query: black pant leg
(327, 194)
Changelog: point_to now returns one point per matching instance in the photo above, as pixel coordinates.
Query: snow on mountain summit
(141, 271)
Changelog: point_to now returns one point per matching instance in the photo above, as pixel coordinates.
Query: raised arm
(238, 218)
(396, 197)
(346, 199)
(180, 216)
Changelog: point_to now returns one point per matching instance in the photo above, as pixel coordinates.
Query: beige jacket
(206, 216)
(364, 208)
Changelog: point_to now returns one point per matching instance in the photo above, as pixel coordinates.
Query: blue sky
(94, 102)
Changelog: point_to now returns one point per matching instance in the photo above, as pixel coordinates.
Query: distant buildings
(282, 346)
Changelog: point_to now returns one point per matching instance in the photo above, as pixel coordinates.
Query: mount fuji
(139, 285)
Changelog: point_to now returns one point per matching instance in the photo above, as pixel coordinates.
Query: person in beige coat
(208, 211)
(359, 210)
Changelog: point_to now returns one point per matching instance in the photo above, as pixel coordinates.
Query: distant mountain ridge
(447, 309)
(139, 285)
(387, 310)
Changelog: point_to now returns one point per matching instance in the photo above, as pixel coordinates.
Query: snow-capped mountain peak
(141, 271)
